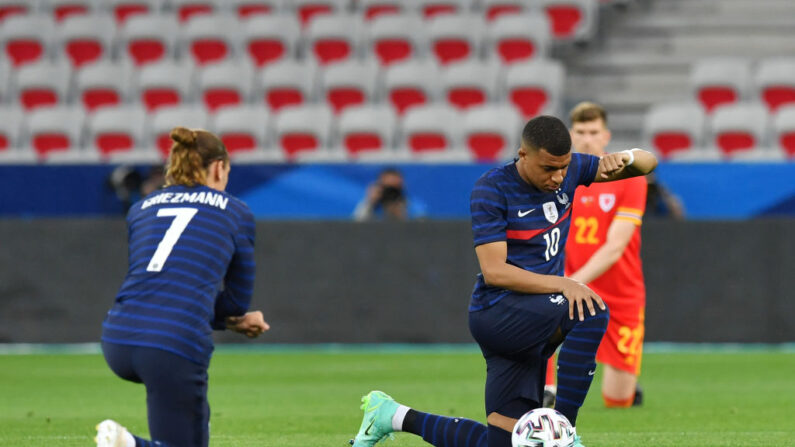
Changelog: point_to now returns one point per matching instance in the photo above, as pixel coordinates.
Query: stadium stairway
(644, 52)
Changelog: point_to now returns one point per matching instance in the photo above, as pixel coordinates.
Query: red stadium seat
(370, 9)
(224, 85)
(148, 38)
(271, 38)
(367, 129)
(490, 132)
(308, 10)
(571, 19)
(775, 82)
(55, 129)
(43, 84)
(717, 82)
(242, 129)
(430, 128)
(26, 38)
(303, 129)
(210, 38)
(286, 83)
(333, 38)
(116, 130)
(455, 37)
(103, 84)
(395, 38)
(86, 38)
(470, 83)
(246, 9)
(738, 127)
(536, 87)
(494, 9)
(189, 9)
(671, 129)
(518, 38)
(349, 84)
(784, 130)
(410, 84)
(10, 8)
(62, 9)
(164, 84)
(432, 8)
(125, 9)
(166, 118)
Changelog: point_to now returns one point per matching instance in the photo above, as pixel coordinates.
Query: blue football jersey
(191, 264)
(534, 223)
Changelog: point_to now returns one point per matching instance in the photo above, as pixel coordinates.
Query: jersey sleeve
(235, 298)
(587, 166)
(488, 207)
(632, 203)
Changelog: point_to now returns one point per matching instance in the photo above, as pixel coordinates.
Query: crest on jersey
(563, 198)
(551, 212)
(607, 201)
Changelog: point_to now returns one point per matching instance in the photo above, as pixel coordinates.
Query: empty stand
(167, 118)
(122, 10)
(738, 127)
(469, 83)
(775, 82)
(55, 129)
(333, 38)
(370, 9)
(367, 129)
(117, 130)
(349, 83)
(515, 38)
(10, 8)
(62, 9)
(494, 9)
(303, 129)
(669, 129)
(571, 19)
(430, 128)
(307, 10)
(455, 37)
(243, 129)
(149, 38)
(491, 132)
(26, 38)
(226, 84)
(103, 84)
(410, 84)
(210, 38)
(535, 87)
(783, 130)
(394, 38)
(166, 83)
(43, 84)
(433, 8)
(720, 81)
(86, 38)
(246, 9)
(189, 9)
(271, 38)
(286, 83)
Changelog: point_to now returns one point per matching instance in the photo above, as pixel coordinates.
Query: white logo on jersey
(606, 201)
(525, 213)
(556, 299)
(563, 198)
(551, 212)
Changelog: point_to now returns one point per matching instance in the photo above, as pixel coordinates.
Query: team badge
(563, 198)
(551, 211)
(606, 201)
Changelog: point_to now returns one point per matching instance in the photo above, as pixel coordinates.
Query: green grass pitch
(311, 398)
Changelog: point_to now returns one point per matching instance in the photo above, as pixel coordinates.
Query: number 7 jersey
(191, 264)
(534, 223)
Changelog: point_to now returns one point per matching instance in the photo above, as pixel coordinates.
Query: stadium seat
(348, 84)
(333, 38)
(10, 8)
(188, 9)
(286, 83)
(167, 118)
(410, 84)
(308, 10)
(719, 81)
(518, 37)
(271, 38)
(125, 9)
(225, 84)
(775, 82)
(432, 8)
(61, 9)
(430, 128)
(166, 83)
(536, 87)
(244, 131)
(784, 130)
(455, 37)
(394, 38)
(669, 129)
(370, 9)
(149, 38)
(247, 9)
(303, 129)
(571, 19)
(118, 131)
(210, 38)
(86, 38)
(469, 83)
(11, 120)
(103, 84)
(55, 129)
(738, 127)
(494, 9)
(491, 132)
(43, 84)
(367, 130)
(26, 39)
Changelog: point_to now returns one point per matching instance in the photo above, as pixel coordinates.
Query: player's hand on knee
(251, 324)
(578, 293)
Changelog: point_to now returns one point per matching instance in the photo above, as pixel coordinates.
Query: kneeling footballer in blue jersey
(522, 307)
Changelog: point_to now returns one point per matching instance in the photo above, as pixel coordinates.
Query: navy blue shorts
(176, 392)
(514, 336)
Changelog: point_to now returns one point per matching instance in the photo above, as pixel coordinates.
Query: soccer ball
(542, 427)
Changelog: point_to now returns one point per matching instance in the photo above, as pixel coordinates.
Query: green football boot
(377, 421)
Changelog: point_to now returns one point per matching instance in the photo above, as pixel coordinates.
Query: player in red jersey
(603, 251)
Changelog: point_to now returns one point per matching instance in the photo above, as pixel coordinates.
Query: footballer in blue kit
(522, 307)
(191, 270)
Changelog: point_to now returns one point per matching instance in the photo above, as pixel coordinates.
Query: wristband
(631, 153)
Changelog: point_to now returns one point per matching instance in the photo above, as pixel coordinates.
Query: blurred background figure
(385, 199)
(661, 202)
(131, 184)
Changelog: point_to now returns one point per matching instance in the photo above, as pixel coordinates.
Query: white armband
(631, 153)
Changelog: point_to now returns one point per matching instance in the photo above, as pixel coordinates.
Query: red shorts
(622, 344)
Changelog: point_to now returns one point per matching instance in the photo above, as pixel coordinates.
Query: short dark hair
(587, 111)
(548, 133)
